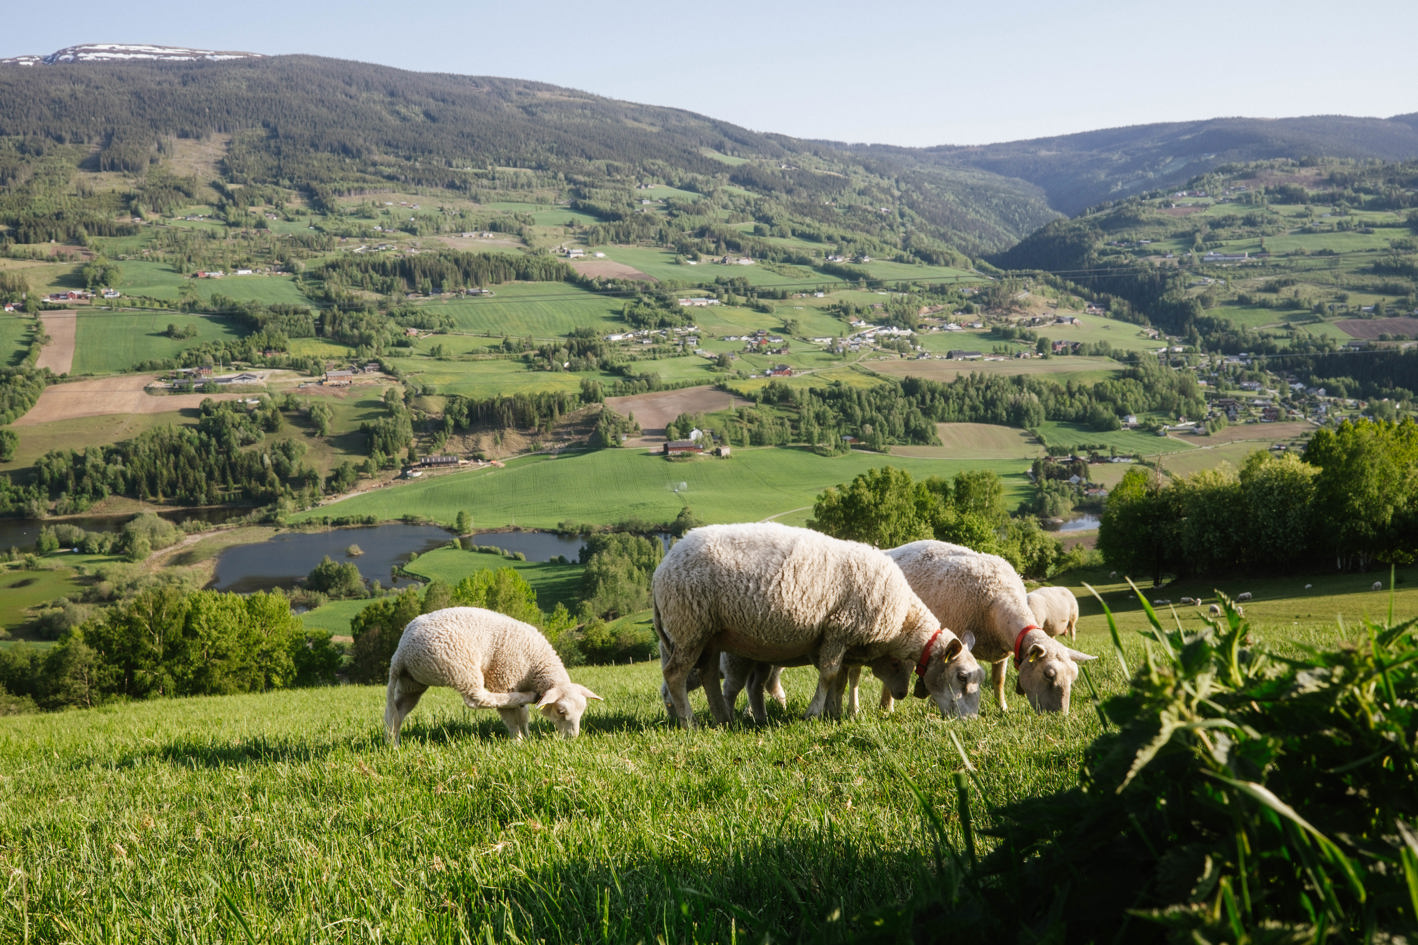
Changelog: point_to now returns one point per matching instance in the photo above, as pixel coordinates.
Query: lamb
(1056, 609)
(493, 660)
(982, 594)
(1378, 585)
(778, 594)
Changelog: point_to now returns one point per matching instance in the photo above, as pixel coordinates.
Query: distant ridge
(127, 52)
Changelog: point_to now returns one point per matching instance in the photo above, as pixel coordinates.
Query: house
(439, 460)
(779, 370)
(681, 447)
(959, 355)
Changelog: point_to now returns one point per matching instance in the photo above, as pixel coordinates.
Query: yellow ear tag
(1033, 657)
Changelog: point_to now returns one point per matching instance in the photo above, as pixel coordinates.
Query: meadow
(285, 816)
(115, 342)
(546, 491)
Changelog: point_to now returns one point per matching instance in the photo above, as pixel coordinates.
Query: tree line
(1350, 501)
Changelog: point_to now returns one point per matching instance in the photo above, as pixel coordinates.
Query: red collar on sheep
(925, 659)
(1020, 639)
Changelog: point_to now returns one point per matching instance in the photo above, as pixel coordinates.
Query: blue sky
(908, 73)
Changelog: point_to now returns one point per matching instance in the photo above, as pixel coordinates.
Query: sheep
(1056, 609)
(982, 594)
(1244, 595)
(493, 660)
(1378, 585)
(778, 594)
(1216, 610)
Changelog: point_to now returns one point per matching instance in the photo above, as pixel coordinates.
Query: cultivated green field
(1073, 436)
(543, 492)
(14, 338)
(554, 583)
(161, 281)
(532, 310)
(21, 590)
(115, 342)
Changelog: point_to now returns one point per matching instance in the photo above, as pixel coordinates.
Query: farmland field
(14, 338)
(536, 310)
(976, 441)
(554, 583)
(938, 369)
(543, 492)
(115, 342)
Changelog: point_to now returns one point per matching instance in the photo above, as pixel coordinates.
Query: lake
(284, 560)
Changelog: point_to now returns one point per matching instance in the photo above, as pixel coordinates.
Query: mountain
(330, 126)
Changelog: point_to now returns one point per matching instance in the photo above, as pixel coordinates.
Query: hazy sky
(909, 73)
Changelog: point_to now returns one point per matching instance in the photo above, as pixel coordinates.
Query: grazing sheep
(778, 594)
(1378, 585)
(1216, 610)
(494, 661)
(1244, 595)
(1056, 609)
(1161, 602)
(982, 594)
(1308, 586)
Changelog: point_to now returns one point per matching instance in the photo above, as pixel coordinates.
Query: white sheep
(1216, 610)
(1378, 585)
(982, 595)
(779, 594)
(494, 661)
(1056, 610)
(1244, 595)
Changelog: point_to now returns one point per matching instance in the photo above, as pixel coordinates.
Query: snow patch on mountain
(128, 52)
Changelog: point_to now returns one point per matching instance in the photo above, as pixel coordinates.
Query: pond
(1081, 523)
(534, 545)
(286, 559)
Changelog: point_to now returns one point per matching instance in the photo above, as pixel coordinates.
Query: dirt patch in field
(606, 269)
(104, 396)
(1369, 329)
(654, 411)
(61, 327)
(1260, 432)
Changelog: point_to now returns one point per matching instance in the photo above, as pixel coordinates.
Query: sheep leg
(404, 694)
(515, 718)
(713, 685)
(676, 666)
(775, 686)
(854, 678)
(480, 698)
(828, 697)
(757, 678)
(997, 671)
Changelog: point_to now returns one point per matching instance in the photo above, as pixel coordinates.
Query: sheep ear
(969, 640)
(590, 695)
(952, 650)
(1035, 652)
(550, 696)
(1078, 657)
(920, 691)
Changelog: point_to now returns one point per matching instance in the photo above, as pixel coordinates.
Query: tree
(882, 507)
(336, 579)
(1279, 512)
(375, 633)
(1366, 493)
(1136, 532)
(502, 590)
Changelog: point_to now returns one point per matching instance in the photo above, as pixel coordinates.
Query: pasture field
(544, 491)
(115, 342)
(160, 281)
(976, 441)
(14, 338)
(82, 432)
(21, 590)
(554, 583)
(1073, 436)
(485, 377)
(543, 215)
(532, 310)
(285, 816)
(1062, 369)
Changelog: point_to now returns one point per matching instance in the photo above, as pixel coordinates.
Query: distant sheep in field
(1308, 586)
(982, 594)
(1190, 601)
(493, 661)
(1378, 585)
(1216, 610)
(1160, 602)
(1244, 595)
(778, 594)
(1056, 609)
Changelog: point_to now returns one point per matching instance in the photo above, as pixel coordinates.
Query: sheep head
(1046, 671)
(949, 673)
(563, 704)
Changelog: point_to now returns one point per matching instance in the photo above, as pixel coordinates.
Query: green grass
(484, 377)
(554, 583)
(536, 310)
(543, 492)
(161, 281)
(284, 816)
(115, 342)
(14, 338)
(23, 590)
(1072, 436)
